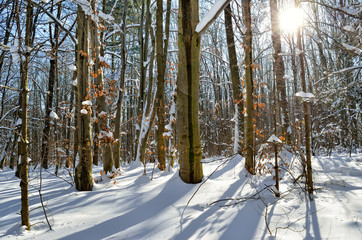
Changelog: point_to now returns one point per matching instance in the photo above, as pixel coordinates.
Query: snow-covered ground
(131, 206)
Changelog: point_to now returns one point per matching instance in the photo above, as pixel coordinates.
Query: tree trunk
(161, 46)
(104, 132)
(187, 101)
(306, 116)
(235, 78)
(23, 145)
(83, 172)
(249, 145)
(279, 71)
(117, 131)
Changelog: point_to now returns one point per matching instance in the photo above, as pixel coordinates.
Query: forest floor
(132, 206)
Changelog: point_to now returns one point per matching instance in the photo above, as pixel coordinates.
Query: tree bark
(23, 145)
(187, 101)
(249, 145)
(103, 129)
(306, 116)
(279, 71)
(161, 46)
(235, 78)
(117, 131)
(83, 172)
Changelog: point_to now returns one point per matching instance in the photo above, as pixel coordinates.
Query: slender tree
(83, 172)
(103, 133)
(50, 93)
(161, 46)
(249, 144)
(279, 71)
(236, 81)
(117, 130)
(306, 115)
(23, 145)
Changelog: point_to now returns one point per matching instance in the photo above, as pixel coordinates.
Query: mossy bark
(187, 101)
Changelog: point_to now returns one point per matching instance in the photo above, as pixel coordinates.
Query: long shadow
(237, 226)
(311, 220)
(146, 211)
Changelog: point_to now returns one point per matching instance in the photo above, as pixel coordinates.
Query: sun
(291, 19)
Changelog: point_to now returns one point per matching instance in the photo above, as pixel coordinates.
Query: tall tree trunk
(249, 145)
(23, 145)
(117, 131)
(83, 172)
(236, 81)
(51, 80)
(279, 71)
(306, 116)
(187, 101)
(161, 46)
(143, 49)
(104, 134)
(149, 114)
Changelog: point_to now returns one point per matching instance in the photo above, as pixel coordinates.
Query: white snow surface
(87, 103)
(105, 17)
(131, 206)
(274, 139)
(72, 67)
(84, 111)
(210, 15)
(53, 115)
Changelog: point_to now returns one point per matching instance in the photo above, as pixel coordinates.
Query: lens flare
(291, 19)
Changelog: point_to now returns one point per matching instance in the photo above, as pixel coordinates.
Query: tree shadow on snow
(225, 222)
(138, 215)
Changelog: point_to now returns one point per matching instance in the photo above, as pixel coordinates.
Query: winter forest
(189, 119)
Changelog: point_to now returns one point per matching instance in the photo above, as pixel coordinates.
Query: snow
(14, 51)
(102, 114)
(349, 28)
(83, 111)
(105, 17)
(274, 139)
(356, 50)
(74, 82)
(18, 122)
(106, 134)
(131, 206)
(87, 103)
(53, 115)
(72, 67)
(214, 11)
(306, 96)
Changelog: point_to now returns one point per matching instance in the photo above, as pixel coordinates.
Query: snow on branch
(274, 139)
(307, 97)
(211, 16)
(353, 49)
